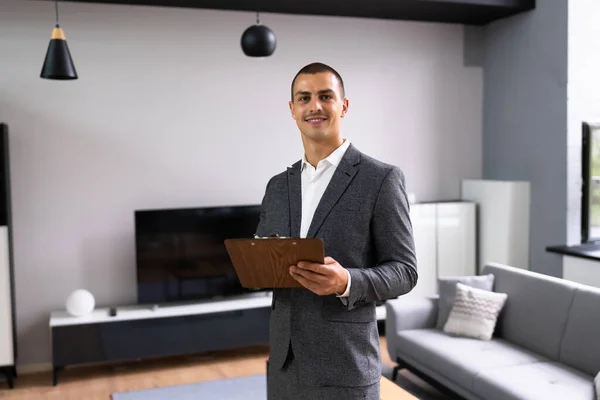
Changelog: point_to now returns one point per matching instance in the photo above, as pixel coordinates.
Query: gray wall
(168, 112)
(525, 118)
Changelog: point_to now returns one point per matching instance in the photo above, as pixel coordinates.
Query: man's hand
(321, 279)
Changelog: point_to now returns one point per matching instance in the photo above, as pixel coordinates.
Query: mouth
(316, 120)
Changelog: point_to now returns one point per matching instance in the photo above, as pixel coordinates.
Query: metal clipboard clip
(272, 236)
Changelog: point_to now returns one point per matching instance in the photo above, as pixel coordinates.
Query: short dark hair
(315, 68)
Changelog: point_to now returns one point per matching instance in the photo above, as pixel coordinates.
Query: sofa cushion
(447, 292)
(460, 359)
(581, 343)
(546, 380)
(537, 308)
(474, 313)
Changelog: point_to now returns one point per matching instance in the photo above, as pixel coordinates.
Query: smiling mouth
(315, 120)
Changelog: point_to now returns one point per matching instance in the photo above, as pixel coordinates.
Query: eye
(325, 97)
(303, 98)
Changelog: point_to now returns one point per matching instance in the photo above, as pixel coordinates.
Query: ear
(292, 109)
(345, 107)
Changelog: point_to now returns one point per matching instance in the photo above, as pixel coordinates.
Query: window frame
(586, 183)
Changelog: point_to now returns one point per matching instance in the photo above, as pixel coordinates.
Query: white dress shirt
(314, 183)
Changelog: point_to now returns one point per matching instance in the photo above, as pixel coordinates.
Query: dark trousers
(284, 384)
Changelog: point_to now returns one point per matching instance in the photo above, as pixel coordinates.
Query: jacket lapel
(295, 198)
(343, 175)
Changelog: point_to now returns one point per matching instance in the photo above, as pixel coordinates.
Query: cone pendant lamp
(58, 64)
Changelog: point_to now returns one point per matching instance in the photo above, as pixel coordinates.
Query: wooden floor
(99, 382)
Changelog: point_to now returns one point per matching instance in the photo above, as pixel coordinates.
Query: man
(323, 337)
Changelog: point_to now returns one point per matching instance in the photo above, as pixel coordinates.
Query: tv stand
(144, 331)
(147, 330)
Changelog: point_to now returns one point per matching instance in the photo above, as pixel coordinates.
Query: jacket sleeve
(262, 226)
(395, 272)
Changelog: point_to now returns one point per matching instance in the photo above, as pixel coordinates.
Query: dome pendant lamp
(58, 64)
(258, 40)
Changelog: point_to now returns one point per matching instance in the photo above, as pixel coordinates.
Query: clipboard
(265, 262)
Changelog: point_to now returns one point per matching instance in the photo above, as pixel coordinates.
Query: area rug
(253, 387)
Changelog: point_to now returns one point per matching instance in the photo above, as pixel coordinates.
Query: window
(590, 200)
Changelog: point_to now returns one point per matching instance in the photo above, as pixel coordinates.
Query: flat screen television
(181, 255)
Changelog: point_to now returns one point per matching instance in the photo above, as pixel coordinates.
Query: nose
(315, 106)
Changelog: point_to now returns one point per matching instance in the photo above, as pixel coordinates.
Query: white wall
(583, 98)
(169, 113)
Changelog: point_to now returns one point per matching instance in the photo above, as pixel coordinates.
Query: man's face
(318, 106)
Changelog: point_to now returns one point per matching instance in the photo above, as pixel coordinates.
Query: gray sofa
(546, 344)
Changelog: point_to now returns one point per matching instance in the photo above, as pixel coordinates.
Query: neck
(317, 151)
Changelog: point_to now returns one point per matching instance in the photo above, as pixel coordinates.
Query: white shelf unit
(445, 242)
(503, 220)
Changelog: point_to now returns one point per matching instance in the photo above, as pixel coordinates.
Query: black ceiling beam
(469, 12)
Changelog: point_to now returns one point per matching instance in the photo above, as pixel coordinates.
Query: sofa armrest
(408, 313)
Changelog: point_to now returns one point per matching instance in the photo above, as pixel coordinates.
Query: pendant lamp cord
(257, 6)
(56, 11)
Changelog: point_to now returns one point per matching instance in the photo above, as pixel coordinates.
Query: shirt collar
(334, 158)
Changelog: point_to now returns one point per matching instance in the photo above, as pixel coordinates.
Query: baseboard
(33, 368)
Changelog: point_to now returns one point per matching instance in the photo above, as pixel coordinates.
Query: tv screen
(181, 255)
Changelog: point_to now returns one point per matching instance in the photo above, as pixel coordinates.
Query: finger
(308, 284)
(314, 267)
(308, 274)
(329, 260)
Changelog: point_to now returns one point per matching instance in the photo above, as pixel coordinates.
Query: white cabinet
(503, 220)
(423, 217)
(6, 327)
(445, 242)
(7, 318)
(456, 239)
(581, 270)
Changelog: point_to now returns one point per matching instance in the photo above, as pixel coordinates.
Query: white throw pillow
(597, 384)
(447, 292)
(475, 312)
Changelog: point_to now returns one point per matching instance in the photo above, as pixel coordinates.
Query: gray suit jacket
(363, 219)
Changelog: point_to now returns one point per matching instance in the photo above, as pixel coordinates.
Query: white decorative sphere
(80, 303)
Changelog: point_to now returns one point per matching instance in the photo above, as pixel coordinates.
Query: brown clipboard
(265, 262)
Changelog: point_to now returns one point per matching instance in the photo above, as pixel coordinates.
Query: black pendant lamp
(258, 40)
(58, 64)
